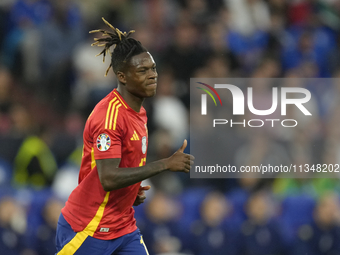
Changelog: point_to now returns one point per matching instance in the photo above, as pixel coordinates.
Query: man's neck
(134, 102)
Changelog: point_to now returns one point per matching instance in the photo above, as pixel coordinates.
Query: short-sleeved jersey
(113, 130)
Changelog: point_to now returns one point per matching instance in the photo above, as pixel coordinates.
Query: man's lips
(152, 84)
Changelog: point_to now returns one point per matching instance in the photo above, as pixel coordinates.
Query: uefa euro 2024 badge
(103, 142)
(144, 144)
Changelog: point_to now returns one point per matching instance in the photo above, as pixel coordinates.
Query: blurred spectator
(34, 163)
(24, 18)
(197, 10)
(298, 183)
(25, 13)
(20, 125)
(67, 149)
(67, 141)
(300, 12)
(321, 235)
(12, 227)
(310, 125)
(46, 231)
(277, 33)
(65, 181)
(6, 173)
(261, 149)
(238, 197)
(91, 84)
(308, 47)
(216, 40)
(4, 16)
(159, 226)
(210, 234)
(184, 56)
(260, 233)
(248, 16)
(295, 211)
(62, 33)
(6, 85)
(169, 112)
(333, 56)
(217, 67)
(303, 145)
(328, 13)
(248, 36)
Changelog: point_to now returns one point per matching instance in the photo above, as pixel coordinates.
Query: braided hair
(124, 46)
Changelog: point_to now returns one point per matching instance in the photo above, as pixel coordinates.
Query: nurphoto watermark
(260, 128)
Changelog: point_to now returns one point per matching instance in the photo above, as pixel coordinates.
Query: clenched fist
(141, 195)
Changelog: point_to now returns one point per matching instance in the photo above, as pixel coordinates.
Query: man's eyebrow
(146, 67)
(142, 68)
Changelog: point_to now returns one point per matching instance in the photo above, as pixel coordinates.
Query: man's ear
(121, 77)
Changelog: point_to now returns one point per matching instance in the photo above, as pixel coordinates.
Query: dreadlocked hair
(124, 47)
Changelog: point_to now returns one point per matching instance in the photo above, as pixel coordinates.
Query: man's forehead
(143, 59)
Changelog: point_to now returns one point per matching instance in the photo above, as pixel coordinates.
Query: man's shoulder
(109, 112)
(106, 104)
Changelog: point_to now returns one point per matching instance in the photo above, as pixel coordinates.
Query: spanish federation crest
(144, 144)
(103, 142)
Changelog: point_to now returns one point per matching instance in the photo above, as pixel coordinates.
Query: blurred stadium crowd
(50, 81)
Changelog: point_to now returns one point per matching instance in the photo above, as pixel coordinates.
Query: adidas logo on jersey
(134, 136)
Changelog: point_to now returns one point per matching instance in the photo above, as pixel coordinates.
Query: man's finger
(145, 187)
(184, 145)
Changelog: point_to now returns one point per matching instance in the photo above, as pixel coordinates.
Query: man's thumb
(184, 145)
(145, 187)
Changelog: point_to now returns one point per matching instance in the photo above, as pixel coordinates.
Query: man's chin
(151, 93)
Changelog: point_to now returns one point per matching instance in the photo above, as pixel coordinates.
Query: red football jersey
(113, 130)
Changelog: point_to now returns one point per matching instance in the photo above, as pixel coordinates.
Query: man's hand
(141, 195)
(179, 161)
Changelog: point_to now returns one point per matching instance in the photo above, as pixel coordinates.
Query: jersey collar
(121, 99)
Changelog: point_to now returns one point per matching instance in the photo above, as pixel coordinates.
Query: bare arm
(112, 177)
